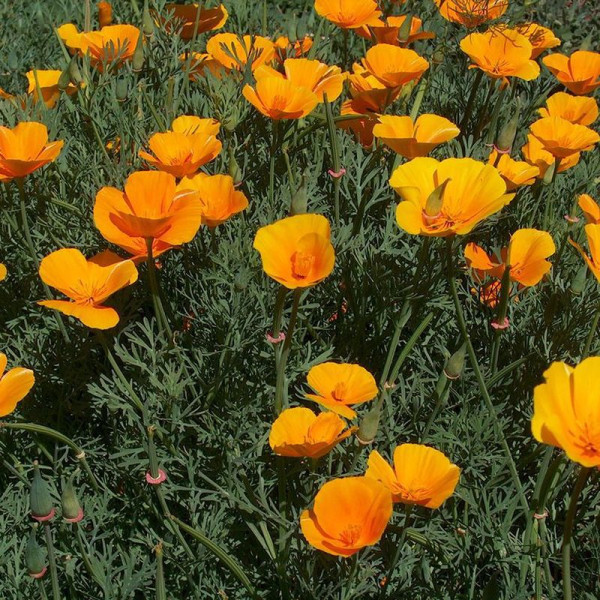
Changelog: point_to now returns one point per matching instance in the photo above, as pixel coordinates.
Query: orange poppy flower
(286, 49)
(483, 264)
(309, 74)
(234, 52)
(88, 284)
(565, 409)
(199, 63)
(368, 93)
(362, 125)
(104, 13)
(190, 144)
(25, 149)
(14, 386)
(185, 16)
(393, 66)
(388, 31)
(150, 208)
(471, 13)
(515, 173)
(590, 208)
(339, 386)
(501, 54)
(562, 138)
(47, 80)
(447, 198)
(296, 251)
(347, 515)
(541, 38)
(113, 44)
(217, 195)
(414, 139)
(579, 73)
(279, 98)
(299, 433)
(3, 272)
(488, 293)
(535, 153)
(4, 95)
(579, 110)
(592, 232)
(421, 475)
(349, 14)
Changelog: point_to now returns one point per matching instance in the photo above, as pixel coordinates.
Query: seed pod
(71, 509)
(369, 425)
(121, 90)
(39, 497)
(35, 558)
(456, 363)
(549, 174)
(578, 282)
(509, 132)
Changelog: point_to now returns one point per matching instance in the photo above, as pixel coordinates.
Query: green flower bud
(404, 31)
(35, 558)
(508, 134)
(71, 508)
(456, 363)
(64, 80)
(299, 204)
(121, 89)
(369, 425)
(74, 72)
(549, 174)
(578, 282)
(234, 168)
(147, 21)
(137, 62)
(39, 497)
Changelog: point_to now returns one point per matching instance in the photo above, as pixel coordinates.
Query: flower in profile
(411, 139)
(349, 14)
(14, 386)
(592, 232)
(540, 37)
(579, 110)
(87, 284)
(448, 197)
(579, 73)
(535, 153)
(471, 13)
(338, 386)
(279, 98)
(394, 66)
(515, 173)
(360, 123)
(104, 13)
(501, 53)
(562, 138)
(565, 409)
(191, 143)
(421, 475)
(234, 52)
(149, 211)
(299, 433)
(312, 75)
(368, 93)
(389, 30)
(590, 208)
(199, 63)
(47, 81)
(285, 48)
(217, 195)
(348, 514)
(25, 149)
(296, 251)
(190, 18)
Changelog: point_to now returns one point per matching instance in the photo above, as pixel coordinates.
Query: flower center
(350, 535)
(302, 264)
(339, 392)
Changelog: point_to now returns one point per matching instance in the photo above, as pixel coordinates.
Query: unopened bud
(549, 174)
(436, 200)
(578, 281)
(137, 62)
(35, 558)
(74, 72)
(404, 31)
(121, 89)
(456, 363)
(147, 22)
(234, 168)
(64, 80)
(292, 32)
(299, 204)
(438, 56)
(508, 134)
(40, 500)
(369, 425)
(71, 509)
(587, 42)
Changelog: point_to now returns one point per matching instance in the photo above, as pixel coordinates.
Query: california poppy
(298, 432)
(279, 98)
(347, 515)
(360, 123)
(285, 48)
(421, 475)
(191, 18)
(296, 251)
(515, 173)
(199, 63)
(562, 138)
(592, 232)
(394, 66)
(349, 14)
(25, 149)
(47, 81)
(579, 110)
(471, 13)
(590, 208)
(234, 52)
(338, 386)
(579, 73)
(217, 195)
(190, 144)
(368, 93)
(150, 210)
(418, 138)
(535, 153)
(448, 197)
(540, 37)
(87, 284)
(14, 386)
(388, 31)
(565, 409)
(3, 271)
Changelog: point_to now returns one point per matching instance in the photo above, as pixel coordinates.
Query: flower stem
(159, 311)
(335, 158)
(52, 562)
(97, 577)
(471, 101)
(272, 160)
(408, 518)
(592, 333)
(501, 317)
(491, 134)
(161, 591)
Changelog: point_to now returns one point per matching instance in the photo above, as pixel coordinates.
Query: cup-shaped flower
(312, 75)
(280, 99)
(149, 210)
(190, 144)
(394, 66)
(217, 195)
(187, 19)
(471, 13)
(47, 83)
(540, 37)
(300, 433)
(562, 138)
(368, 93)
(349, 14)
(515, 173)
(348, 514)
(14, 386)
(592, 232)
(360, 123)
(388, 31)
(296, 251)
(338, 386)
(579, 110)
(25, 149)
(579, 73)
(483, 264)
(448, 197)
(421, 475)
(235, 52)
(535, 153)
(501, 54)
(566, 407)
(87, 284)
(411, 139)
(590, 208)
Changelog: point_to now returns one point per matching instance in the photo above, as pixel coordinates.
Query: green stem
(335, 157)
(282, 549)
(52, 562)
(423, 85)
(408, 518)
(491, 134)
(43, 594)
(86, 559)
(442, 391)
(549, 208)
(161, 590)
(501, 317)
(592, 334)
(471, 101)
(265, 19)
(278, 313)
(403, 319)
(272, 160)
(568, 533)
(159, 312)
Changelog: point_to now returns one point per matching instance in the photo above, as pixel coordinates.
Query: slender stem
(42, 589)
(335, 157)
(491, 134)
(592, 333)
(568, 533)
(442, 391)
(471, 101)
(278, 313)
(52, 562)
(265, 19)
(403, 319)
(549, 208)
(86, 559)
(159, 311)
(423, 85)
(408, 518)
(282, 549)
(161, 590)
(501, 317)
(272, 160)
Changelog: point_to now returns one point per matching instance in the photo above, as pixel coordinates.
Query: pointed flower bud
(436, 200)
(147, 22)
(456, 363)
(74, 72)
(39, 497)
(404, 31)
(549, 174)
(299, 204)
(369, 425)
(64, 80)
(137, 62)
(578, 282)
(508, 134)
(234, 168)
(121, 90)
(35, 558)
(71, 509)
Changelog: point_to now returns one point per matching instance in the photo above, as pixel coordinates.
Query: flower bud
(404, 31)
(292, 31)
(438, 56)
(549, 174)
(578, 282)
(456, 363)
(35, 558)
(71, 509)
(299, 204)
(436, 200)
(121, 89)
(137, 62)
(369, 425)
(74, 72)
(64, 80)
(104, 13)
(234, 168)
(40, 500)
(147, 22)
